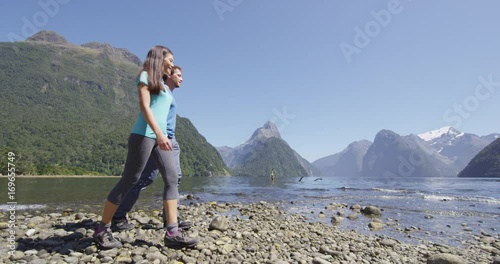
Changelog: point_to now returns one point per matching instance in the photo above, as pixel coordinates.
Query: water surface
(458, 208)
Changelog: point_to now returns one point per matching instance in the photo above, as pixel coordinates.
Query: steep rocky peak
(48, 36)
(269, 130)
(112, 52)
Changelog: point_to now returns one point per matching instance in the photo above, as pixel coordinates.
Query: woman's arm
(144, 101)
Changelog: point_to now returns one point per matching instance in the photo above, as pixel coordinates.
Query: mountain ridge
(72, 110)
(446, 151)
(486, 163)
(104, 49)
(265, 151)
(392, 155)
(348, 162)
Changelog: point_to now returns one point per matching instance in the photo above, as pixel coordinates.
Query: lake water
(460, 208)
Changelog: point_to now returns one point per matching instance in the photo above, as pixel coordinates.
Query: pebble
(250, 233)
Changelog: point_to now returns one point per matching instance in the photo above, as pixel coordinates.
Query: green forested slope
(198, 157)
(66, 109)
(485, 164)
(270, 154)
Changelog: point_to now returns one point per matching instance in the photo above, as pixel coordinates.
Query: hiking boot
(179, 240)
(184, 225)
(105, 240)
(121, 224)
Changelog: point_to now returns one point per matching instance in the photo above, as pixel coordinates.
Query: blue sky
(326, 72)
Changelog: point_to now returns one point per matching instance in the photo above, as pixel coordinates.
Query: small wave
(386, 197)
(313, 189)
(458, 213)
(344, 188)
(434, 197)
(20, 207)
(393, 190)
(488, 200)
(318, 196)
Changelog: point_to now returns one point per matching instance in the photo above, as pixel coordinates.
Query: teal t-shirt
(159, 104)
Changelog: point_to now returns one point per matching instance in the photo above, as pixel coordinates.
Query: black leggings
(139, 150)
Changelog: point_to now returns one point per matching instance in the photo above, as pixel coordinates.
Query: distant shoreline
(59, 176)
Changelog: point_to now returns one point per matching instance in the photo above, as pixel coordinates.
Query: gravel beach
(229, 233)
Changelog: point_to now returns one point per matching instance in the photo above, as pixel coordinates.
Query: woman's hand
(164, 142)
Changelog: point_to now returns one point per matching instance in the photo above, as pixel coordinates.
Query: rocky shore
(228, 233)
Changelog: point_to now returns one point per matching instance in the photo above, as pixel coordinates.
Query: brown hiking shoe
(179, 240)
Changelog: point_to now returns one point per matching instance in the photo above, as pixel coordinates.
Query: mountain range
(68, 109)
(439, 153)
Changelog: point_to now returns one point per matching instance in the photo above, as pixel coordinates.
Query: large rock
(371, 210)
(445, 258)
(336, 220)
(375, 225)
(219, 223)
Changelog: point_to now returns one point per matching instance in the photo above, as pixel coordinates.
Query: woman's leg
(147, 178)
(166, 164)
(139, 150)
(138, 153)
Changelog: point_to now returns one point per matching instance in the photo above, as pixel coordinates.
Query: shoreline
(244, 233)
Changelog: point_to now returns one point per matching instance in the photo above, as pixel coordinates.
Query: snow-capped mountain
(458, 146)
(395, 156)
(438, 153)
(434, 134)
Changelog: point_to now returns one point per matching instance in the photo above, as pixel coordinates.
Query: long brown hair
(153, 65)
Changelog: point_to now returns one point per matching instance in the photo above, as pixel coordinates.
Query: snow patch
(428, 136)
